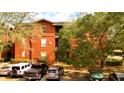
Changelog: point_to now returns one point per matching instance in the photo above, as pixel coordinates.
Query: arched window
(43, 29)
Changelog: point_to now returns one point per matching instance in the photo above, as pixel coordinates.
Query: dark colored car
(36, 72)
(116, 76)
(54, 73)
(96, 74)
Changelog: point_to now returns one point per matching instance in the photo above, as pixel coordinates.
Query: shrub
(78, 63)
(19, 60)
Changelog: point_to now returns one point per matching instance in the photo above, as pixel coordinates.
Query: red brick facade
(39, 45)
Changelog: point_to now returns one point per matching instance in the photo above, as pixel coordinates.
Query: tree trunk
(0, 56)
(102, 63)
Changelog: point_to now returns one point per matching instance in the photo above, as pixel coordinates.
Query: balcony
(56, 35)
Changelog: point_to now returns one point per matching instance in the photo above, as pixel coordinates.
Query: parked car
(116, 76)
(36, 72)
(115, 58)
(96, 74)
(54, 73)
(4, 71)
(18, 69)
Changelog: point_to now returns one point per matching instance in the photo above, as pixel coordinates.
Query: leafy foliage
(96, 35)
(9, 22)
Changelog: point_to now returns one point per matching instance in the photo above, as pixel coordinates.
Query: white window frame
(43, 42)
(23, 53)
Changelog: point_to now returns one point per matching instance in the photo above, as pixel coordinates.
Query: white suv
(18, 69)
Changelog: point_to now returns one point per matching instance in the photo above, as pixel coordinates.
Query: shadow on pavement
(75, 76)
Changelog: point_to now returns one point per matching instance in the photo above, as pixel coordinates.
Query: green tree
(97, 34)
(12, 28)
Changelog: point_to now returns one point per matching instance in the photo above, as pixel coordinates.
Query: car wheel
(11, 74)
(48, 79)
(59, 78)
(40, 77)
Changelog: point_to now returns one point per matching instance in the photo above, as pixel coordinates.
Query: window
(23, 53)
(43, 42)
(26, 66)
(52, 71)
(22, 67)
(43, 56)
(121, 78)
(36, 66)
(43, 29)
(16, 67)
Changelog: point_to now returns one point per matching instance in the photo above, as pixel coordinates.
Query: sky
(56, 16)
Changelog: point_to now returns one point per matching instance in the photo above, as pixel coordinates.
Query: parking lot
(70, 73)
(68, 76)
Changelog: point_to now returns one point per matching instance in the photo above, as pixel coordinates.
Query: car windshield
(51, 71)
(121, 78)
(16, 67)
(95, 72)
(6, 67)
(36, 66)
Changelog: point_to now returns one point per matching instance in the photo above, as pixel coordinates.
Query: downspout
(30, 42)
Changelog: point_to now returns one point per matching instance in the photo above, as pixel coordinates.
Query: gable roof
(43, 20)
(58, 23)
(53, 23)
